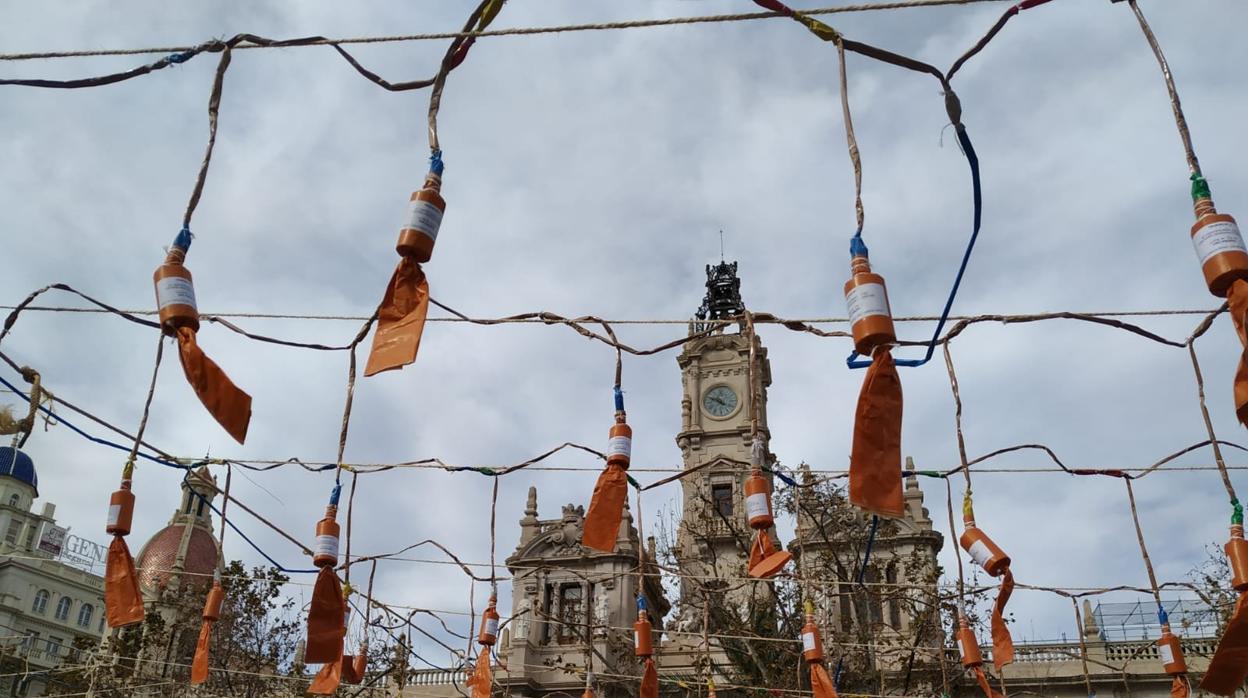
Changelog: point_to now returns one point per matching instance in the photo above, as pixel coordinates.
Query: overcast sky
(589, 173)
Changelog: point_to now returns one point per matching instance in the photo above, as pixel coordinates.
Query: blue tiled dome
(18, 465)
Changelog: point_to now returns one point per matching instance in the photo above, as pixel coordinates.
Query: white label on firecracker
(491, 627)
(327, 546)
(1216, 238)
(424, 217)
(174, 290)
(1167, 654)
(756, 505)
(636, 640)
(962, 647)
(980, 553)
(866, 300)
(114, 513)
(620, 446)
(808, 642)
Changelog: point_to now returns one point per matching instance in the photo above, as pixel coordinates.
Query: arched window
(62, 608)
(14, 500)
(40, 605)
(84, 615)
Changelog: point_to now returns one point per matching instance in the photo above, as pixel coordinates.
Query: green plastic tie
(633, 482)
(1200, 188)
(486, 470)
(1237, 516)
(930, 473)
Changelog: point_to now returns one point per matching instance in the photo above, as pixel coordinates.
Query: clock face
(720, 401)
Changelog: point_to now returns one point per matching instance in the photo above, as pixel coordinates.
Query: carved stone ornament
(567, 537)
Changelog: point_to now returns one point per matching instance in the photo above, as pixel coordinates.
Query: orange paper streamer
(606, 509)
(765, 560)
(229, 405)
(983, 684)
(820, 682)
(327, 680)
(199, 666)
(1229, 668)
(1002, 643)
(354, 666)
(1179, 688)
(649, 680)
(326, 620)
(400, 319)
(1237, 298)
(481, 681)
(123, 602)
(875, 460)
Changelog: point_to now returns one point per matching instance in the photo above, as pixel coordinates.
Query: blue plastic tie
(1162, 616)
(641, 603)
(862, 571)
(435, 163)
(977, 193)
(333, 496)
(619, 399)
(181, 57)
(857, 248)
(183, 239)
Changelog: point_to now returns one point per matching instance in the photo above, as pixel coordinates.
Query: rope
(1213, 439)
(518, 31)
(762, 318)
(1148, 563)
(214, 106)
(1192, 163)
(850, 139)
(127, 470)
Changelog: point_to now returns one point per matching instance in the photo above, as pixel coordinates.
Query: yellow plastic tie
(810, 607)
(968, 508)
(489, 13)
(819, 29)
(346, 589)
(127, 471)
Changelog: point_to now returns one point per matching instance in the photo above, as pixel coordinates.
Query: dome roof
(158, 556)
(19, 466)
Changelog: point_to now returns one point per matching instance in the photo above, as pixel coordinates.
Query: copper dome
(157, 558)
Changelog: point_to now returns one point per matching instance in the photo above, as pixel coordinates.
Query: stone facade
(559, 588)
(558, 584)
(46, 605)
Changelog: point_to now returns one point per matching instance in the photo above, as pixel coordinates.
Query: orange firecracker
(996, 563)
(424, 218)
(482, 679)
(327, 611)
(875, 457)
(212, 612)
(821, 683)
(1223, 259)
(1229, 667)
(1171, 652)
(765, 560)
(405, 306)
(179, 317)
(606, 506)
(972, 658)
(123, 602)
(643, 647)
(489, 623)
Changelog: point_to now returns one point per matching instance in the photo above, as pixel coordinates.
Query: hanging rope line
(256, 42)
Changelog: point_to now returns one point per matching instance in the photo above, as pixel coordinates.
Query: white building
(46, 603)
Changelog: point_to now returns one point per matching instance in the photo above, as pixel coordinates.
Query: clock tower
(713, 540)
